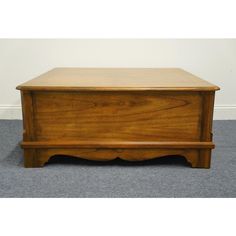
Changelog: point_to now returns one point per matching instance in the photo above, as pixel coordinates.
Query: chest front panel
(117, 115)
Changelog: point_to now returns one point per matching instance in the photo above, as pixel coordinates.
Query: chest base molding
(131, 145)
(196, 157)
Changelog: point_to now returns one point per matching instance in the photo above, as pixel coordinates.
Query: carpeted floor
(72, 177)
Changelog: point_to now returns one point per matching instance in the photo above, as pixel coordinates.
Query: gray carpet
(72, 177)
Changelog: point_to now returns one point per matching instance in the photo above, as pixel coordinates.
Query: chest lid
(111, 79)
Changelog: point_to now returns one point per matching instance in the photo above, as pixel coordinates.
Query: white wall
(210, 59)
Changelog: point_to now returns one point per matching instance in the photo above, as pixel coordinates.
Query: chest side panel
(123, 116)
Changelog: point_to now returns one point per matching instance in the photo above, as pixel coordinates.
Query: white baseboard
(225, 112)
(10, 112)
(221, 112)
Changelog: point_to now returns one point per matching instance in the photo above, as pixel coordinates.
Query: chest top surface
(118, 79)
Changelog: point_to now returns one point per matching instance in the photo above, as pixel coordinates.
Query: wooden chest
(103, 114)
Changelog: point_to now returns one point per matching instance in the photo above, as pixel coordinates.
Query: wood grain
(103, 114)
(112, 79)
(28, 116)
(136, 116)
(43, 155)
(115, 144)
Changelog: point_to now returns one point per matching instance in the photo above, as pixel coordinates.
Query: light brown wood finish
(116, 144)
(102, 114)
(136, 116)
(43, 155)
(111, 79)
